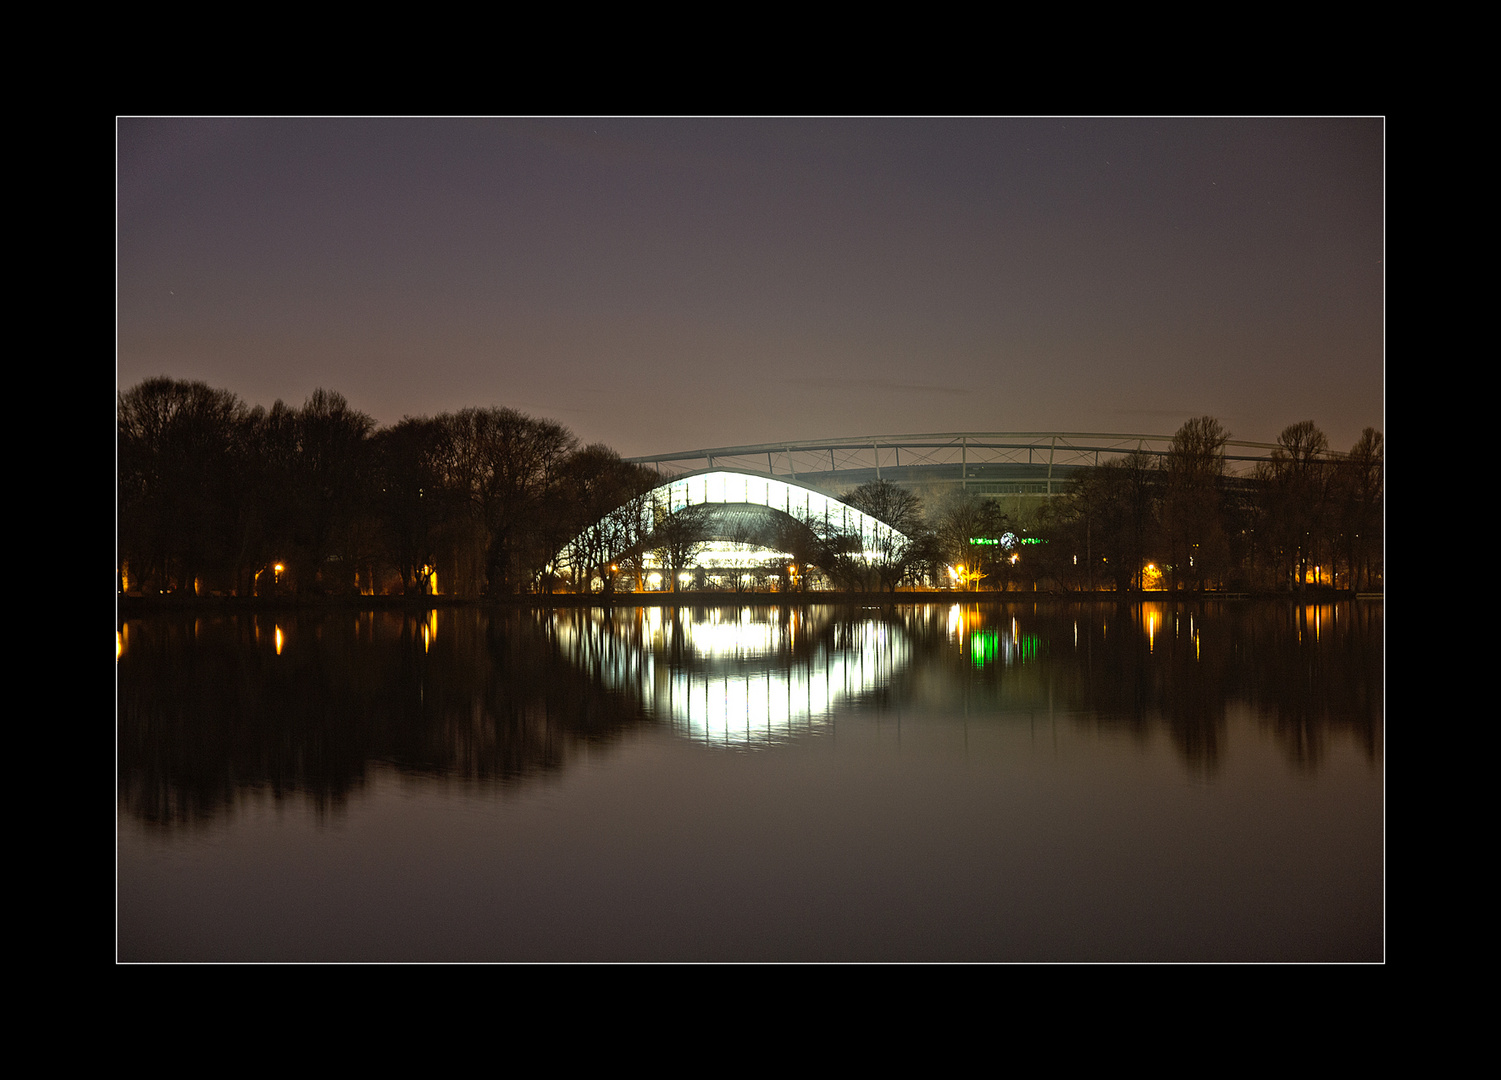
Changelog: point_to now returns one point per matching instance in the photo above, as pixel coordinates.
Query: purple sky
(663, 285)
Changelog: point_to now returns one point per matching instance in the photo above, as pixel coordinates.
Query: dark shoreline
(140, 605)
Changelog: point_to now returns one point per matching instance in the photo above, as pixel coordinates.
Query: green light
(987, 647)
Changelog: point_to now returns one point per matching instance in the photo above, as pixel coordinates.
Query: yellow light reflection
(281, 639)
(430, 630)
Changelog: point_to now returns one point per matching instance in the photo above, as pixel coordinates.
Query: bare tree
(1192, 525)
(605, 496)
(182, 464)
(1361, 480)
(901, 545)
(799, 537)
(1294, 496)
(328, 491)
(1117, 504)
(965, 519)
(679, 536)
(505, 466)
(411, 499)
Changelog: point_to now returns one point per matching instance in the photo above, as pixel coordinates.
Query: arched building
(752, 493)
(744, 523)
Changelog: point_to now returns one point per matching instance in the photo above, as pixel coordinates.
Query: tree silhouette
(679, 536)
(181, 455)
(1294, 489)
(902, 546)
(610, 515)
(1361, 491)
(1192, 525)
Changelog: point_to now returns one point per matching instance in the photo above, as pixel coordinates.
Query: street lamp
(255, 582)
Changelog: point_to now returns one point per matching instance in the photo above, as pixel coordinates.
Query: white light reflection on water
(738, 678)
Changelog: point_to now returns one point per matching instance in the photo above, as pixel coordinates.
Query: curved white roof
(788, 496)
(730, 487)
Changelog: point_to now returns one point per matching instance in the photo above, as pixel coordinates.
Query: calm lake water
(999, 781)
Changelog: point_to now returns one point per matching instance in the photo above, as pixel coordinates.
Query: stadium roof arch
(987, 463)
(747, 511)
(735, 489)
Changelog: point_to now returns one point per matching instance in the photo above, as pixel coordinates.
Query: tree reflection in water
(307, 702)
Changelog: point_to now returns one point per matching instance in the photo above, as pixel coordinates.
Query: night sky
(662, 285)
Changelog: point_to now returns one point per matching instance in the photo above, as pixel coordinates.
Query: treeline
(1304, 518)
(219, 498)
(216, 497)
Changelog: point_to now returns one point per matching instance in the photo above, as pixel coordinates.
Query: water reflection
(211, 708)
(738, 677)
